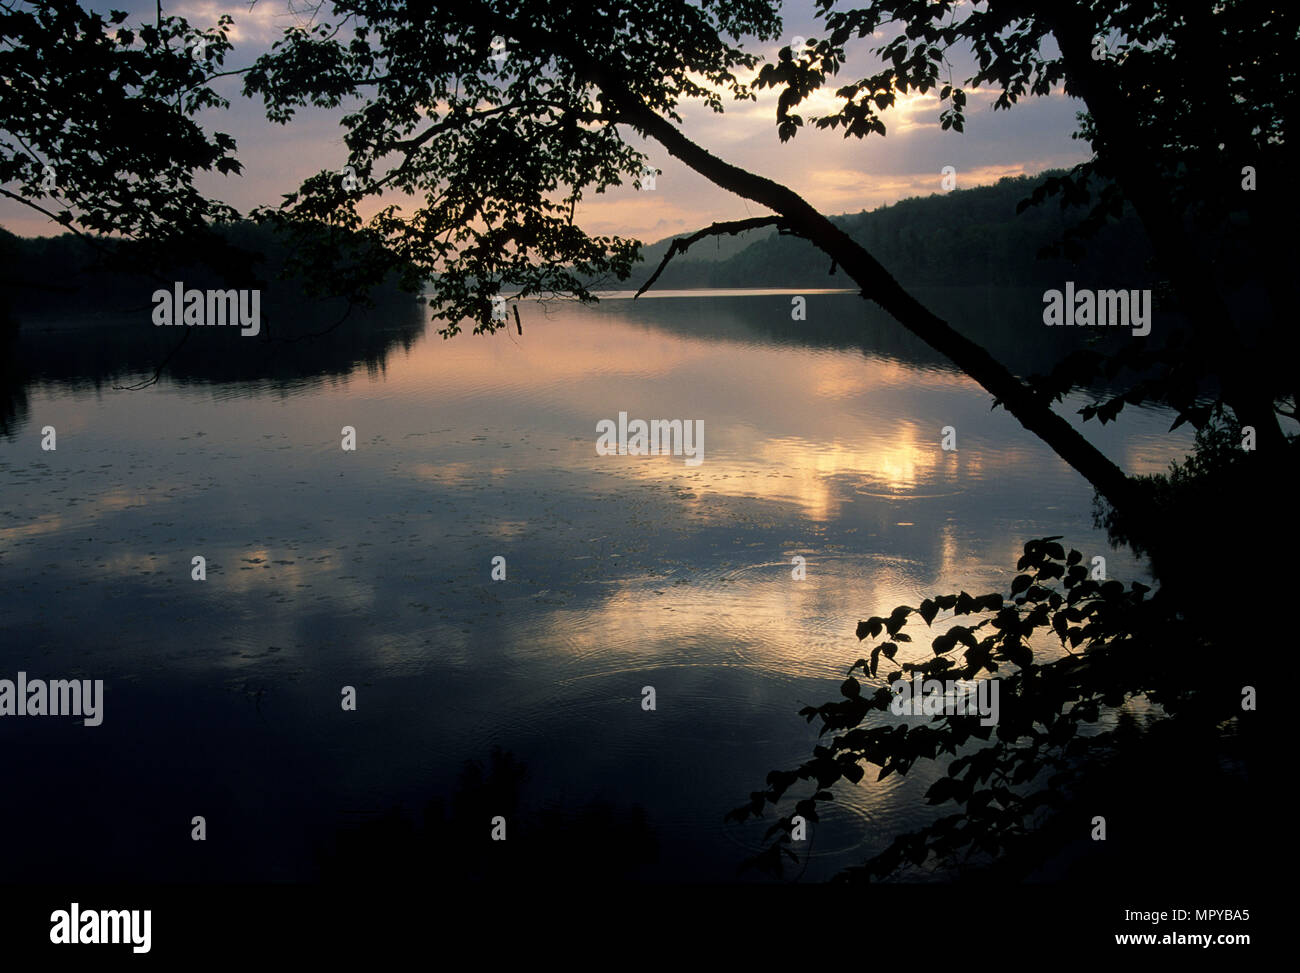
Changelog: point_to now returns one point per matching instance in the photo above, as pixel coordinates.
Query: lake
(372, 569)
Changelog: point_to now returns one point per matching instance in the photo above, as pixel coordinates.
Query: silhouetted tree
(500, 117)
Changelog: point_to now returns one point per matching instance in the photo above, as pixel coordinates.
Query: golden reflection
(792, 430)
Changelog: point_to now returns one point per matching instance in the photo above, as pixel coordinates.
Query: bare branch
(682, 243)
(879, 286)
(159, 370)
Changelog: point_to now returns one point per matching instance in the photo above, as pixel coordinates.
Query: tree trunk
(1033, 412)
(1125, 149)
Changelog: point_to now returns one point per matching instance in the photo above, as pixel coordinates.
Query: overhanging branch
(878, 285)
(683, 243)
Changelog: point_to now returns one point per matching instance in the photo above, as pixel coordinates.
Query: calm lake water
(372, 569)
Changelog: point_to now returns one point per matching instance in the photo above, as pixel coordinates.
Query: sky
(835, 174)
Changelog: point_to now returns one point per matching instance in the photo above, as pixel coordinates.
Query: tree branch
(450, 122)
(683, 243)
(877, 284)
(1127, 149)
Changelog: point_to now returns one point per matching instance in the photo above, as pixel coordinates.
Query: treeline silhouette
(70, 275)
(961, 238)
(77, 314)
(964, 237)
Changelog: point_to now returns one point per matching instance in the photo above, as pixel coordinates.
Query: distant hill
(965, 237)
(68, 277)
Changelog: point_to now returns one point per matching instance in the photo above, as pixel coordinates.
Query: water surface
(372, 569)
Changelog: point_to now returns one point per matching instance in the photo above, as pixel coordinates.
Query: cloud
(259, 24)
(834, 173)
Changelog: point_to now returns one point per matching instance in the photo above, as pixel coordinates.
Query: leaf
(896, 619)
(964, 635)
(941, 790)
(871, 626)
(928, 611)
(1050, 569)
(780, 780)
